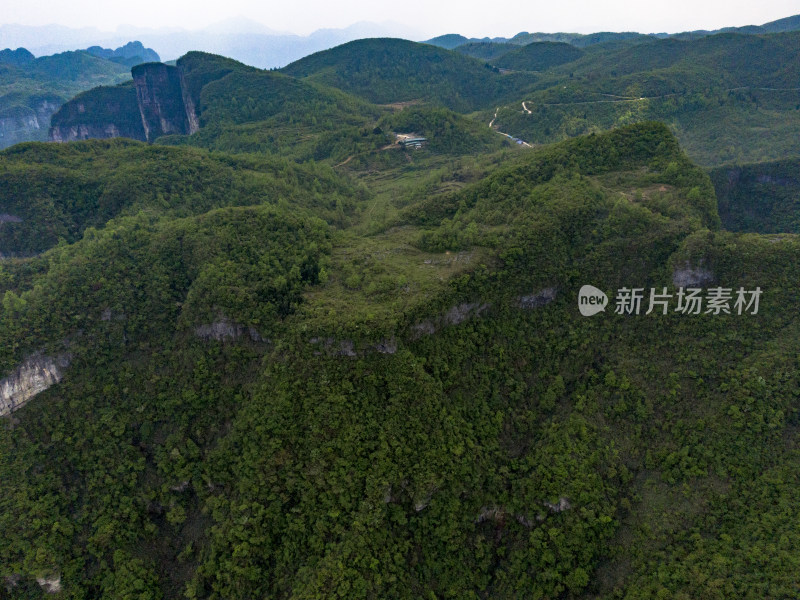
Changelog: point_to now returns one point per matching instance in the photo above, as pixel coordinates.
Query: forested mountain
(487, 51)
(453, 41)
(319, 332)
(17, 57)
(387, 70)
(277, 381)
(56, 193)
(722, 107)
(201, 91)
(32, 89)
(130, 55)
(538, 56)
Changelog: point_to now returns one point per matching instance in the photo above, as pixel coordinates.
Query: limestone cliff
(103, 112)
(32, 377)
(27, 123)
(160, 97)
(157, 102)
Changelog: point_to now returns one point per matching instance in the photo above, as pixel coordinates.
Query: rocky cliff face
(104, 112)
(26, 123)
(32, 377)
(155, 103)
(759, 198)
(85, 132)
(160, 97)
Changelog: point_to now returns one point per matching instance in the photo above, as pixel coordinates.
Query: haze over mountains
(258, 45)
(454, 40)
(246, 41)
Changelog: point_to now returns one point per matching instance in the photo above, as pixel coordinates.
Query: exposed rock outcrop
(333, 347)
(100, 113)
(425, 327)
(537, 299)
(51, 585)
(687, 275)
(157, 102)
(387, 346)
(32, 377)
(454, 316)
(562, 505)
(26, 123)
(85, 132)
(499, 515)
(459, 314)
(160, 97)
(226, 330)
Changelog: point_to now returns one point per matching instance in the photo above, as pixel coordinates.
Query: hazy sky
(429, 17)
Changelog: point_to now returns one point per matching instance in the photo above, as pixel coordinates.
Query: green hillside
(449, 41)
(384, 71)
(771, 60)
(446, 131)
(56, 193)
(17, 57)
(267, 112)
(723, 108)
(237, 108)
(328, 106)
(488, 51)
(539, 56)
(262, 399)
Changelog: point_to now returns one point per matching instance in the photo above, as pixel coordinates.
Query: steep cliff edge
(103, 112)
(32, 377)
(160, 98)
(32, 89)
(22, 123)
(759, 198)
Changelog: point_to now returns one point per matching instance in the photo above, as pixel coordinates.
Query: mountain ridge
(453, 40)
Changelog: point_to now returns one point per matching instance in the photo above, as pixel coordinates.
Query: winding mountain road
(511, 137)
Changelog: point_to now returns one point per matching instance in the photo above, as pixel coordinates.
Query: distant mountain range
(452, 41)
(257, 45)
(246, 41)
(131, 54)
